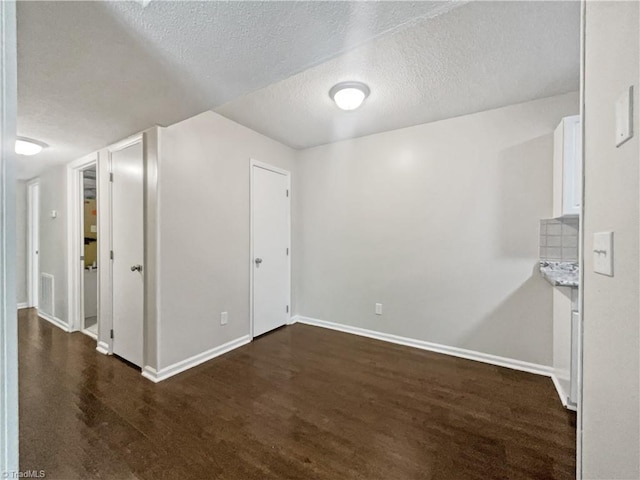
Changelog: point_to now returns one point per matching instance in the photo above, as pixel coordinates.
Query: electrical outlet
(378, 309)
(224, 318)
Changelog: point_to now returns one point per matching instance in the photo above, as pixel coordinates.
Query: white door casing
(127, 224)
(9, 458)
(33, 242)
(270, 247)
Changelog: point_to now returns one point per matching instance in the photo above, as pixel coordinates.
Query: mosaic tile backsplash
(559, 239)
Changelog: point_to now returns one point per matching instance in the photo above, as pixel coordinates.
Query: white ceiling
(480, 56)
(91, 73)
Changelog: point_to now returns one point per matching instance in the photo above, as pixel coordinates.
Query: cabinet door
(562, 340)
(572, 166)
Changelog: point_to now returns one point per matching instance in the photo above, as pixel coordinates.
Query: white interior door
(270, 262)
(128, 251)
(33, 241)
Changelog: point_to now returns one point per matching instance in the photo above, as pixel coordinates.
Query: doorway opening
(33, 242)
(89, 259)
(82, 206)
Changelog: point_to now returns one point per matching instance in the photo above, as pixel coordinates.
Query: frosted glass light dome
(349, 95)
(28, 147)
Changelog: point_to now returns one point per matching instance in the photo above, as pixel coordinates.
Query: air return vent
(46, 294)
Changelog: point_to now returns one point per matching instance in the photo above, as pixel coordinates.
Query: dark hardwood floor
(299, 403)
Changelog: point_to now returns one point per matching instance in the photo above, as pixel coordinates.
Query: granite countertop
(560, 274)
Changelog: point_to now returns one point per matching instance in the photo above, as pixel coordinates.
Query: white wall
(203, 222)
(610, 415)
(439, 223)
(53, 234)
(21, 243)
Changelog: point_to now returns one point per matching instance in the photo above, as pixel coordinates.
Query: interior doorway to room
(82, 254)
(270, 248)
(33, 242)
(89, 259)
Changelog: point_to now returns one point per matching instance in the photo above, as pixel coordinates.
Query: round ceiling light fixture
(349, 95)
(28, 146)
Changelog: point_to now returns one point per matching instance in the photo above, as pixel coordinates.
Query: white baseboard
(151, 373)
(432, 347)
(564, 398)
(559, 389)
(22, 305)
(103, 347)
(88, 334)
(55, 321)
(164, 373)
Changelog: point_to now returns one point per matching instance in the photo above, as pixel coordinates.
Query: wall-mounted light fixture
(349, 95)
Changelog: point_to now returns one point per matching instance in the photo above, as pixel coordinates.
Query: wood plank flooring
(299, 403)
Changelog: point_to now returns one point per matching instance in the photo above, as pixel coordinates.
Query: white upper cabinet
(567, 167)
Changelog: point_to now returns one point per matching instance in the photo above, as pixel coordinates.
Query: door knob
(136, 267)
(258, 261)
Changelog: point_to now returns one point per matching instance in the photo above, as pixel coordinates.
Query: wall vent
(46, 294)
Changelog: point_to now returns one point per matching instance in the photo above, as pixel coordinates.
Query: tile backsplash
(559, 239)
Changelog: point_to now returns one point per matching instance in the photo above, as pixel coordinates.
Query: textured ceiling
(480, 56)
(91, 73)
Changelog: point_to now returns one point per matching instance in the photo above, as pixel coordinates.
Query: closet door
(128, 251)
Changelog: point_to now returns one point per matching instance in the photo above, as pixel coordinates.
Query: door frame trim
(32, 273)
(257, 164)
(75, 283)
(580, 354)
(9, 444)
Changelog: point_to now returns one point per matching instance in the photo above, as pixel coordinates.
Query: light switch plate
(624, 116)
(603, 253)
(224, 318)
(378, 309)
(94, 229)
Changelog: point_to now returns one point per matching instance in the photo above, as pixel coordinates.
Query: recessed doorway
(89, 229)
(83, 206)
(33, 242)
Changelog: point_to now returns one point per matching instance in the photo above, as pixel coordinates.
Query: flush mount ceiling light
(349, 95)
(28, 147)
